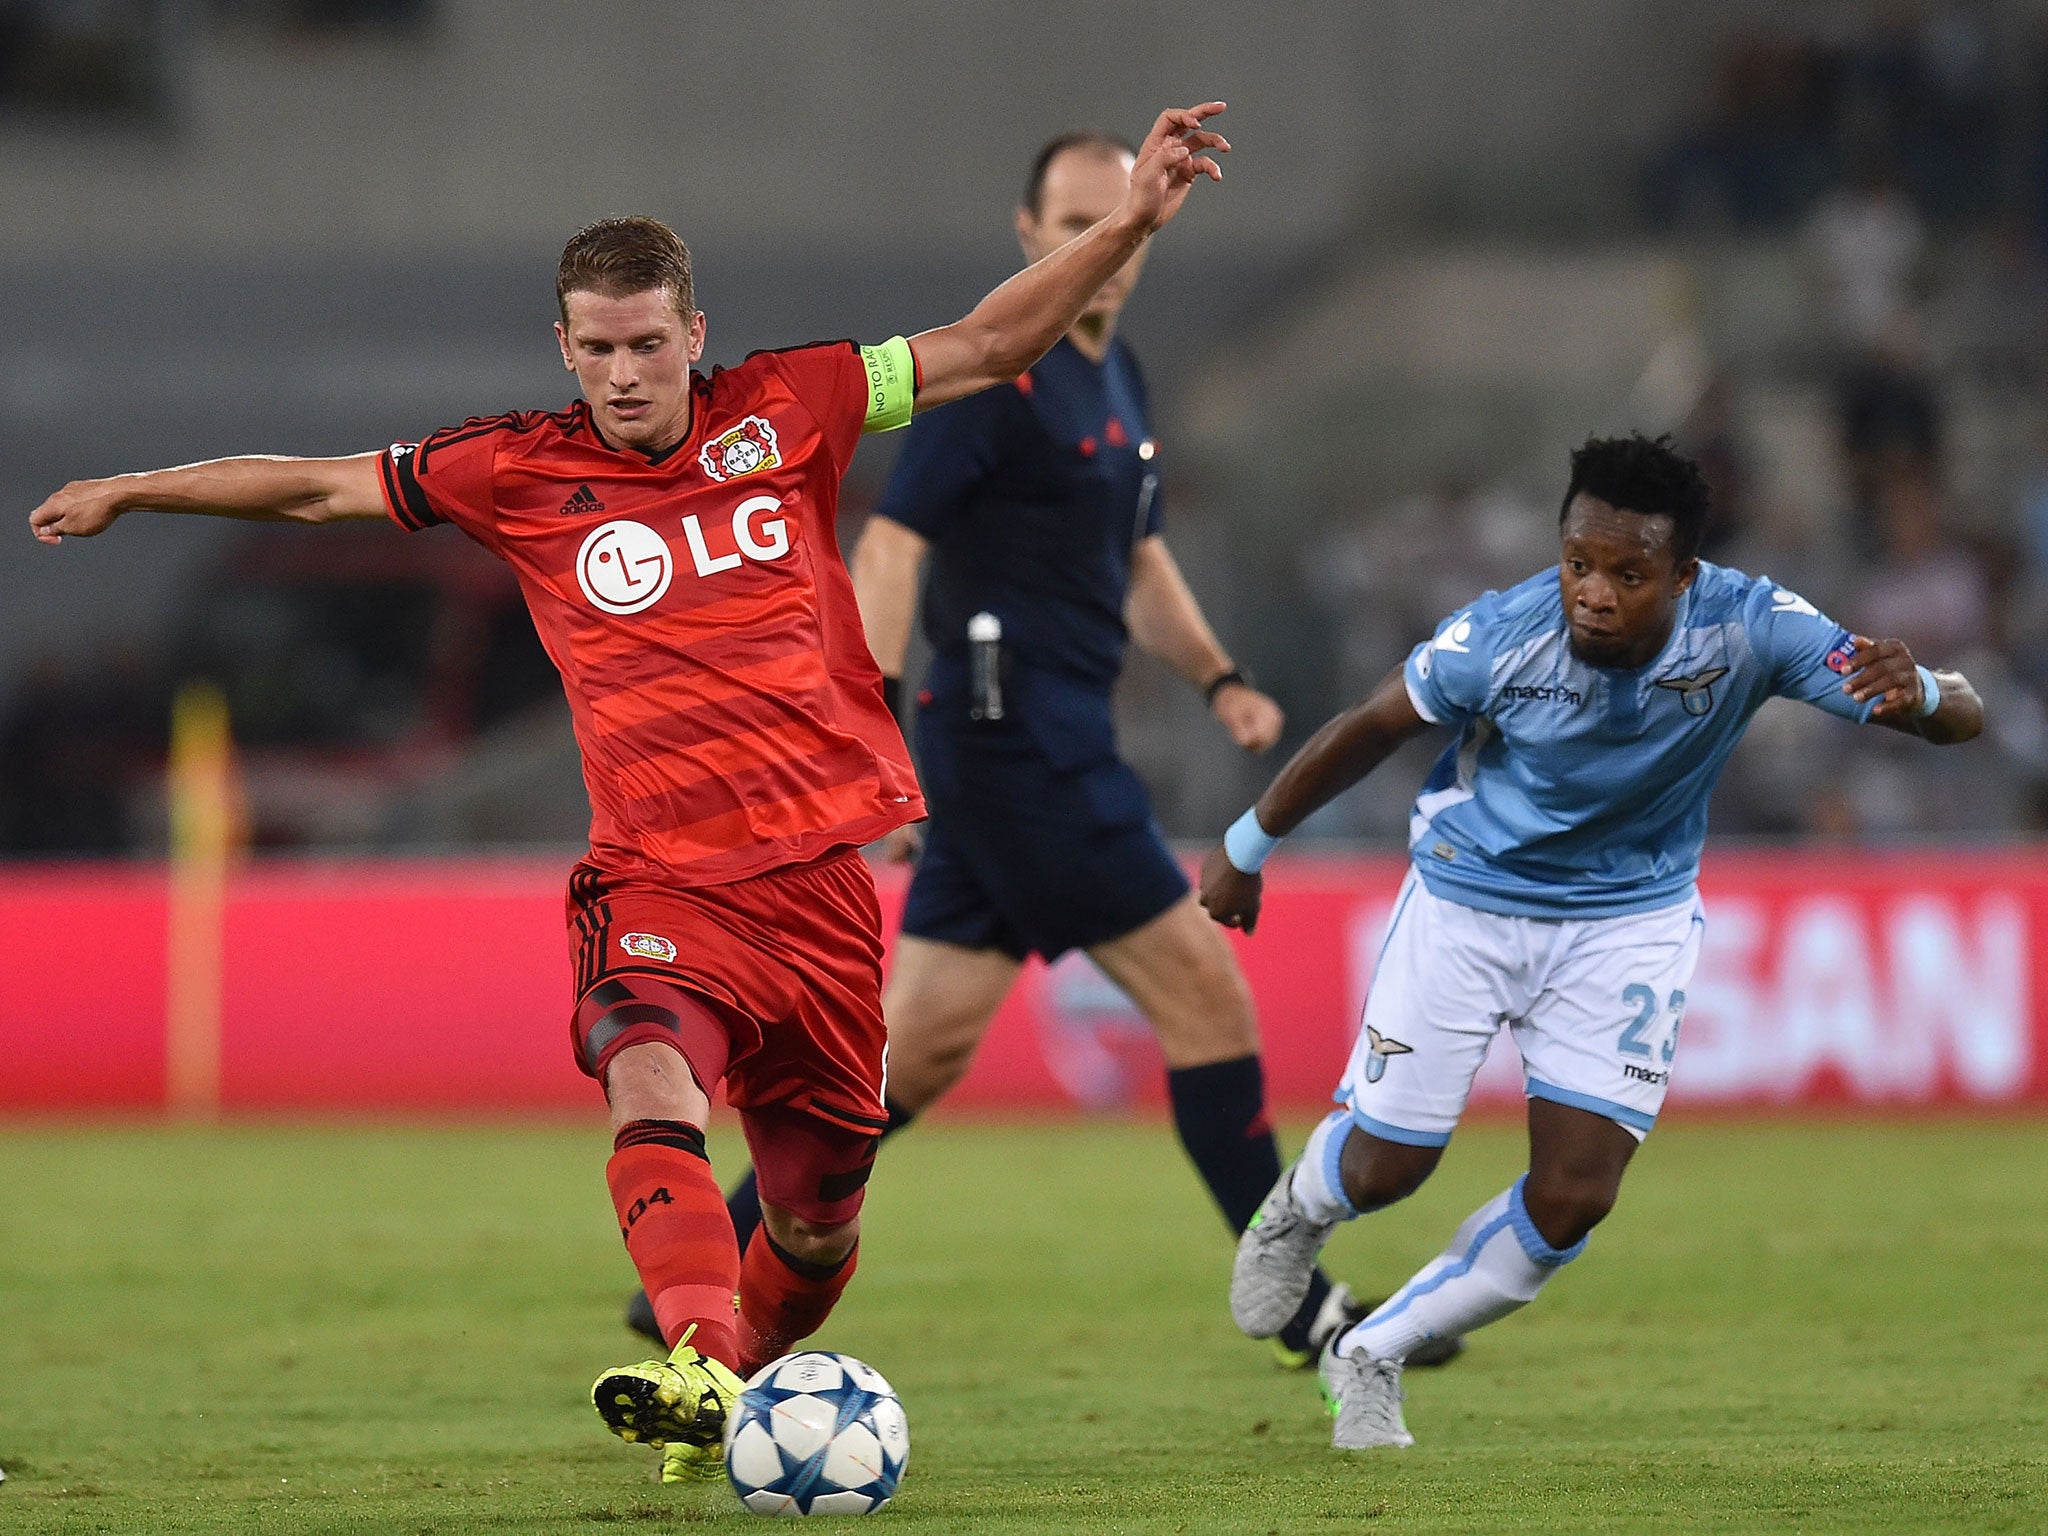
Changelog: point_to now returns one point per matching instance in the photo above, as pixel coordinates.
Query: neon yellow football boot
(678, 1404)
(682, 1463)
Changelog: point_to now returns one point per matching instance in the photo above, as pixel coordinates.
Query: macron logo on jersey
(1452, 638)
(1455, 636)
(1791, 602)
(1543, 693)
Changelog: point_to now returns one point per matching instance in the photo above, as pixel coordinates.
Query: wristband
(1930, 691)
(892, 695)
(1223, 680)
(1247, 844)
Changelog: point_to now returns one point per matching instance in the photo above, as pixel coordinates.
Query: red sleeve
(827, 380)
(445, 478)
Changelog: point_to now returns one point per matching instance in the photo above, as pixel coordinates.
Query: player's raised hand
(1884, 670)
(1253, 720)
(1175, 153)
(81, 509)
(1230, 895)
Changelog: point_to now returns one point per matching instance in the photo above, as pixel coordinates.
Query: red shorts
(786, 968)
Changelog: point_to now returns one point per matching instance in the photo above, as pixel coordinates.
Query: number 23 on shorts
(1635, 1039)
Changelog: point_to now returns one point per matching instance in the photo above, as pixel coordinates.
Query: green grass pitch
(394, 1329)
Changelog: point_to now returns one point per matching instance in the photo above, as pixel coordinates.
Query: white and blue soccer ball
(816, 1434)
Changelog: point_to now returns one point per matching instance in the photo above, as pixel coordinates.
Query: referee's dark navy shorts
(1041, 839)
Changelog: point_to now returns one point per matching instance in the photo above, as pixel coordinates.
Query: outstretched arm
(1165, 619)
(1018, 323)
(1885, 670)
(264, 489)
(1335, 758)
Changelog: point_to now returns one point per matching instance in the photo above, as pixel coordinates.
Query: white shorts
(1594, 1005)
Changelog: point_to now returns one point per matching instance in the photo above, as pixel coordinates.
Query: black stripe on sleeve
(807, 346)
(392, 500)
(402, 489)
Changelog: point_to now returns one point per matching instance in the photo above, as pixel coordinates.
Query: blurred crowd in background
(1852, 234)
(1890, 171)
(102, 59)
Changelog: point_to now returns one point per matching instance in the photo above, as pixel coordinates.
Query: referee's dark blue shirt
(1031, 496)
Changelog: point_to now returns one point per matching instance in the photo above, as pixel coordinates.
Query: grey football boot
(1364, 1397)
(1275, 1258)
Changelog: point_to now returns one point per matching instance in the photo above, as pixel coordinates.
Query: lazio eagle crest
(1381, 1049)
(1696, 693)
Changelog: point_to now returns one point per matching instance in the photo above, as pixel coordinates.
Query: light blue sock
(1318, 1187)
(1495, 1265)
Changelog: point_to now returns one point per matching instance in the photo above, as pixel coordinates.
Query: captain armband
(891, 371)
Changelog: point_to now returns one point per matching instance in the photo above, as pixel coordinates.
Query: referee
(1038, 504)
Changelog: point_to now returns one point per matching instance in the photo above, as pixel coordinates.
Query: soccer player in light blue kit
(1554, 852)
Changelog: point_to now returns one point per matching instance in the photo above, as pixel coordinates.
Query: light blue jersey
(1581, 791)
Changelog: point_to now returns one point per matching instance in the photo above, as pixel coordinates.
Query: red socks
(672, 1216)
(784, 1299)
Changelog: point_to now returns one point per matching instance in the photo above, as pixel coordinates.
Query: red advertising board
(1826, 978)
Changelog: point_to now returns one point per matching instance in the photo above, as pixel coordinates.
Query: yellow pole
(201, 793)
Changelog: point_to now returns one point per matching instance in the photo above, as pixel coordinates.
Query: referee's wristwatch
(1222, 680)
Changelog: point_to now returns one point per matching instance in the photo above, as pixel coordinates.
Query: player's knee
(930, 1052)
(653, 1081)
(1379, 1173)
(949, 1050)
(1235, 1017)
(814, 1242)
(1207, 1014)
(1567, 1204)
(918, 1079)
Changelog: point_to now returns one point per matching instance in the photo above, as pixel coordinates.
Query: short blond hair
(620, 256)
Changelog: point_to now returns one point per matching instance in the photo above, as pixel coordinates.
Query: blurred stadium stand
(1458, 236)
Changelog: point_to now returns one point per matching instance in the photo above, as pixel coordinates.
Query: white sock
(1495, 1265)
(1318, 1187)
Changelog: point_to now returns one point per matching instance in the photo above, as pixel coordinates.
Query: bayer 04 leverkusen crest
(742, 450)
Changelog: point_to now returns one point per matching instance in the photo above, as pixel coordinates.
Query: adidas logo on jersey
(584, 501)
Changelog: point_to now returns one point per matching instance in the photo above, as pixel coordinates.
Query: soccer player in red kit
(674, 535)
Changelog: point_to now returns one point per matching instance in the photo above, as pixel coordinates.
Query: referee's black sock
(743, 1204)
(1219, 1109)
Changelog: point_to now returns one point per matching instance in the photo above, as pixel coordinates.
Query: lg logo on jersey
(773, 546)
(625, 567)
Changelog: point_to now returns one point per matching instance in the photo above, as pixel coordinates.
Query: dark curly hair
(1645, 475)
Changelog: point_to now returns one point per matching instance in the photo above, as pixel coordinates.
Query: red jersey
(696, 604)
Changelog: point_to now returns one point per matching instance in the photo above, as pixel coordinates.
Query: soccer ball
(816, 1434)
